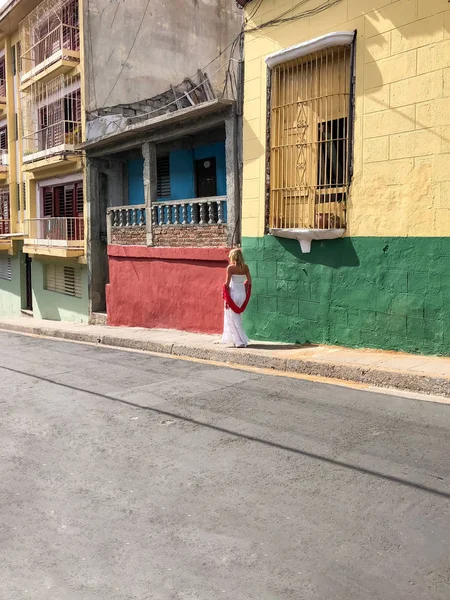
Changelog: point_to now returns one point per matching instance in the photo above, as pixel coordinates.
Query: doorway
(28, 286)
(206, 177)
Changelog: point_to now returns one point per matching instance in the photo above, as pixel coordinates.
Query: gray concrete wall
(175, 40)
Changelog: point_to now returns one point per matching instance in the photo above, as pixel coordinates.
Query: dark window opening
(206, 177)
(163, 176)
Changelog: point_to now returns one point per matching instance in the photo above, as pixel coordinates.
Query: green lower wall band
(390, 293)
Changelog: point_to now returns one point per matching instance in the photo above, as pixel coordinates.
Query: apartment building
(43, 269)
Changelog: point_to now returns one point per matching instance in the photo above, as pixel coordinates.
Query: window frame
(311, 47)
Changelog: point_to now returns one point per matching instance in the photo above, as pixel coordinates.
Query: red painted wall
(169, 288)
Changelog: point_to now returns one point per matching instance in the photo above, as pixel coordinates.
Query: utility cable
(144, 14)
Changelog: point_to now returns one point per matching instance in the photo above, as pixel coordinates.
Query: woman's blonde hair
(237, 258)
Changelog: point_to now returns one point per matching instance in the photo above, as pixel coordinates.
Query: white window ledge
(330, 40)
(306, 236)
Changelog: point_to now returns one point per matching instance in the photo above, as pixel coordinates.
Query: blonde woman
(236, 293)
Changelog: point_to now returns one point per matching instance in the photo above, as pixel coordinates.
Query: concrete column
(150, 186)
(233, 191)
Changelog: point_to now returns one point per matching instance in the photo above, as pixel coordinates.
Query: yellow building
(347, 151)
(42, 220)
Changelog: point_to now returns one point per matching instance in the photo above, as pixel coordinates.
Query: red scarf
(229, 300)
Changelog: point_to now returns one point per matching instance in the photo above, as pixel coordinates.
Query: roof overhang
(13, 12)
(150, 125)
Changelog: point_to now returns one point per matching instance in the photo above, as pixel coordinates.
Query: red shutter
(48, 202)
(4, 138)
(69, 201)
(79, 199)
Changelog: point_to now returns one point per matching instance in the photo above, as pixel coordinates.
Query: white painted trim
(330, 40)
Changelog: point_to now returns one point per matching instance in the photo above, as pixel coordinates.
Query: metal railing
(63, 42)
(46, 140)
(199, 211)
(3, 89)
(5, 227)
(65, 232)
(127, 216)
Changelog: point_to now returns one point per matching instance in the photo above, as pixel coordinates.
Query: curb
(386, 378)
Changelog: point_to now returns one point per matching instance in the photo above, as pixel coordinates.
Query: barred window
(309, 140)
(64, 280)
(5, 268)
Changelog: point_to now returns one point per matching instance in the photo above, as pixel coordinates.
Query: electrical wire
(144, 14)
(257, 7)
(308, 13)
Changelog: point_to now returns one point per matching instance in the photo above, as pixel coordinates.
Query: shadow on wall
(331, 253)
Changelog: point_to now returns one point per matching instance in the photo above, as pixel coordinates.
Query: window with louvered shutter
(4, 211)
(69, 194)
(63, 280)
(63, 200)
(4, 138)
(48, 201)
(24, 195)
(79, 200)
(5, 268)
(163, 176)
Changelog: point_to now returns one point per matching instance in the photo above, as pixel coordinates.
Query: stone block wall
(202, 236)
(369, 292)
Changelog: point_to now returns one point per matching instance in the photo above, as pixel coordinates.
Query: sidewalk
(411, 372)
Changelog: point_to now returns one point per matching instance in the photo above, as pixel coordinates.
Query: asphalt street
(129, 476)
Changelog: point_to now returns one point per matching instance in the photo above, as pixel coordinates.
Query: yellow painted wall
(401, 184)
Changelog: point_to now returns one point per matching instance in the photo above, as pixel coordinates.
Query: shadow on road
(251, 438)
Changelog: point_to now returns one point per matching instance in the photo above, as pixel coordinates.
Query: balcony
(55, 236)
(5, 235)
(197, 222)
(54, 139)
(54, 54)
(4, 162)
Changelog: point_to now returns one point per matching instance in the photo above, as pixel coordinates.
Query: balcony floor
(58, 248)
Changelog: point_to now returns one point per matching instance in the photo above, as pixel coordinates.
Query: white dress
(233, 331)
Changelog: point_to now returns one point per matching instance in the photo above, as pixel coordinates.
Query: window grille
(64, 280)
(309, 141)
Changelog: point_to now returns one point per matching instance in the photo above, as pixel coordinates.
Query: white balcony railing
(198, 211)
(62, 43)
(4, 160)
(56, 232)
(127, 216)
(56, 138)
(201, 212)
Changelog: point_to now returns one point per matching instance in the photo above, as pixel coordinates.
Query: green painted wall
(56, 306)
(10, 298)
(373, 292)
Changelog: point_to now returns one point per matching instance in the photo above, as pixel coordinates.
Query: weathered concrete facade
(163, 157)
(175, 40)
